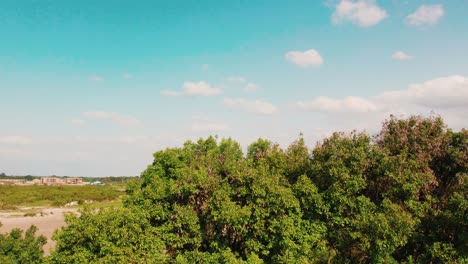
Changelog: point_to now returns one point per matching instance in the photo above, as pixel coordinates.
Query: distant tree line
(108, 179)
(396, 197)
(26, 177)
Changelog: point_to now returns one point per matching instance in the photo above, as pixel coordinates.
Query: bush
(18, 248)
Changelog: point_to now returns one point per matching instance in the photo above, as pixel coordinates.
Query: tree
(397, 197)
(206, 197)
(18, 248)
(109, 236)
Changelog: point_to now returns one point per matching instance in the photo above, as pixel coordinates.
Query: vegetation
(18, 248)
(12, 196)
(397, 197)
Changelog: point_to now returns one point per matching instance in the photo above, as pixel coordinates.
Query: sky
(94, 88)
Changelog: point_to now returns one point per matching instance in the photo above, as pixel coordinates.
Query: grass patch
(39, 195)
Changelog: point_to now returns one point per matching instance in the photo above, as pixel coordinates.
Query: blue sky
(95, 87)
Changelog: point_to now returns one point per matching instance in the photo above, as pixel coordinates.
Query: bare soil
(47, 221)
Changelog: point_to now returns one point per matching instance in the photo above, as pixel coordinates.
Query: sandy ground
(47, 222)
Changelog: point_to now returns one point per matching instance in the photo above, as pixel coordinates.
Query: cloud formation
(113, 117)
(308, 58)
(425, 15)
(251, 106)
(209, 127)
(347, 104)
(96, 78)
(15, 140)
(194, 89)
(250, 87)
(77, 121)
(400, 55)
(445, 93)
(364, 13)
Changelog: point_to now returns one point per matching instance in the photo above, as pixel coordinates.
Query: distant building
(44, 181)
(73, 180)
(59, 181)
(51, 181)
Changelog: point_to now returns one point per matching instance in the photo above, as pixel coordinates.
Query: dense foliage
(397, 197)
(18, 248)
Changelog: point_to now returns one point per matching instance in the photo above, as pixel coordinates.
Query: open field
(46, 206)
(12, 196)
(47, 221)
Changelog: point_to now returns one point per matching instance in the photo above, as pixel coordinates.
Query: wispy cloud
(251, 106)
(364, 13)
(77, 121)
(400, 55)
(194, 89)
(327, 104)
(308, 58)
(209, 127)
(250, 87)
(113, 117)
(15, 140)
(444, 92)
(425, 15)
(236, 79)
(441, 93)
(96, 78)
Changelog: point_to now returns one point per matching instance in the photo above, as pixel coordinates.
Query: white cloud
(250, 87)
(305, 58)
(77, 121)
(194, 89)
(236, 79)
(208, 127)
(440, 94)
(364, 13)
(347, 104)
(96, 78)
(400, 55)
(202, 123)
(444, 92)
(251, 106)
(15, 140)
(425, 15)
(114, 117)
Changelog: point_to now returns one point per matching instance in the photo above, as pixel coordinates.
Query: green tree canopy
(397, 197)
(19, 247)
